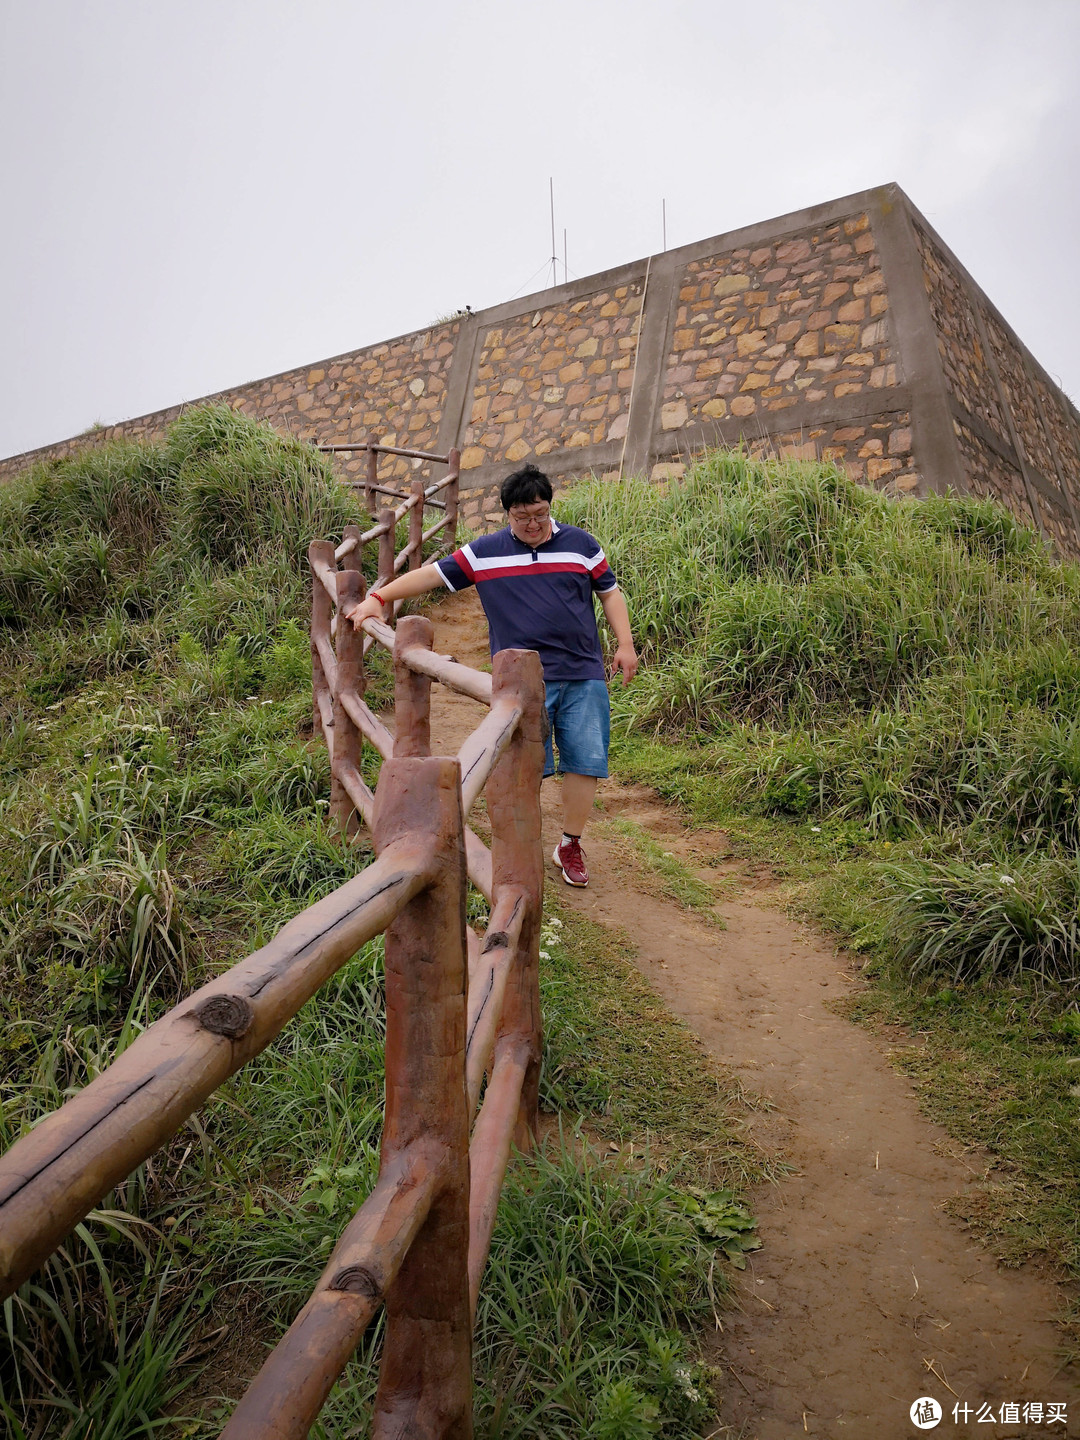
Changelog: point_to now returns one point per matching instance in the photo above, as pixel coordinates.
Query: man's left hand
(626, 660)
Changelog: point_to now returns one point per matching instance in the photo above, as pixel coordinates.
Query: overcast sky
(198, 195)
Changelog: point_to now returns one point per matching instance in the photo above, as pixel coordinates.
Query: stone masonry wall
(802, 319)
(1015, 430)
(558, 378)
(846, 332)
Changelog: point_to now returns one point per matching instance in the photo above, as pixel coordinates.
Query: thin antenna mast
(565, 274)
(554, 257)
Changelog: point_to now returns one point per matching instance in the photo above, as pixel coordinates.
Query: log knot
(229, 1015)
(495, 940)
(357, 1280)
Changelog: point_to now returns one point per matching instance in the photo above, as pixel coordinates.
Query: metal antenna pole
(554, 258)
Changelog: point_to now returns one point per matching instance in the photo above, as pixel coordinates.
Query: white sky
(198, 195)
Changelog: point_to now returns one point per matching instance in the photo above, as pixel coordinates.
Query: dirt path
(866, 1295)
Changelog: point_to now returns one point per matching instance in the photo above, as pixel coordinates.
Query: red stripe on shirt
(462, 559)
(533, 567)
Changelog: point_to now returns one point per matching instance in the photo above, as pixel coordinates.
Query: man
(536, 581)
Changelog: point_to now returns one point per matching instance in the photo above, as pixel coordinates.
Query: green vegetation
(883, 698)
(162, 813)
(672, 878)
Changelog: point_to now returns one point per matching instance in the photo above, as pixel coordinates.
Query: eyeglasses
(532, 519)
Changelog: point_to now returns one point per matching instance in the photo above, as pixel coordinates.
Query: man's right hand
(368, 609)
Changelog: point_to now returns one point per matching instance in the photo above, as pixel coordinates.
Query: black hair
(525, 487)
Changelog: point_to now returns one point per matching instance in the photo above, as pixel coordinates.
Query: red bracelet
(374, 595)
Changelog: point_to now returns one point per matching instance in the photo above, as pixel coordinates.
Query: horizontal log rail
(459, 1006)
(55, 1174)
(376, 448)
(371, 486)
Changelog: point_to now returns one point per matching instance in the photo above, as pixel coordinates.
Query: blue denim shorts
(580, 717)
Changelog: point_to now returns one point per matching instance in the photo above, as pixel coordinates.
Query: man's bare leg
(578, 792)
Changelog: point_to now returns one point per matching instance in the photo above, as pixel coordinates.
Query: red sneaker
(569, 858)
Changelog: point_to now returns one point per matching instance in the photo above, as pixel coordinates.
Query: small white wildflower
(1006, 880)
(544, 955)
(266, 702)
(556, 922)
(816, 829)
(687, 1385)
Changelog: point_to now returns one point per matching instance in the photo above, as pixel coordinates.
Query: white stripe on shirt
(549, 557)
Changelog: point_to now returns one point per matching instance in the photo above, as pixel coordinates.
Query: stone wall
(803, 319)
(1016, 432)
(846, 332)
(558, 378)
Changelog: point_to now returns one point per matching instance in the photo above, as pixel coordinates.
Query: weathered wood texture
(487, 985)
(453, 488)
(349, 680)
(510, 1112)
(320, 553)
(425, 1382)
(386, 547)
(287, 1394)
(55, 1174)
(412, 690)
(517, 857)
(416, 524)
(372, 476)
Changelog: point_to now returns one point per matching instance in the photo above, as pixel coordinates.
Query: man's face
(530, 523)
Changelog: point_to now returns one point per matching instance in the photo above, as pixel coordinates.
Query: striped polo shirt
(538, 599)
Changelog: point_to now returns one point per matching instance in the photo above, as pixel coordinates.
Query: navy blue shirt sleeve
(601, 575)
(457, 570)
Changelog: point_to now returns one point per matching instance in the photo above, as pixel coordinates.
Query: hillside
(877, 701)
(162, 814)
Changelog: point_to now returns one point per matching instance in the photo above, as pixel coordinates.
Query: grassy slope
(161, 815)
(884, 699)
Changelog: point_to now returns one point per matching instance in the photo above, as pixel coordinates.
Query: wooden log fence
(459, 1007)
(371, 487)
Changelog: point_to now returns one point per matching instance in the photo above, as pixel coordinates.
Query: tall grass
(785, 593)
(162, 813)
(823, 652)
(162, 810)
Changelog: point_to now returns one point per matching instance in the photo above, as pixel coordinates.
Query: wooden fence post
(350, 679)
(425, 1383)
(386, 548)
(517, 861)
(450, 495)
(416, 525)
(320, 626)
(412, 692)
(371, 476)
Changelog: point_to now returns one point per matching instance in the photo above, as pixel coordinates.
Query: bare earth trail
(866, 1294)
